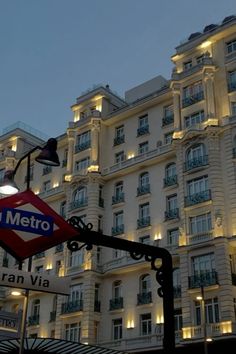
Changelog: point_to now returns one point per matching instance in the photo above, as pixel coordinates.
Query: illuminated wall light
(68, 178)
(16, 293)
(178, 135)
(226, 327)
(93, 168)
(130, 324)
(49, 266)
(160, 319)
(130, 155)
(187, 333)
(157, 236)
(36, 192)
(205, 44)
(55, 185)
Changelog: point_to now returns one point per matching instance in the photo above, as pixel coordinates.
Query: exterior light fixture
(16, 293)
(48, 156)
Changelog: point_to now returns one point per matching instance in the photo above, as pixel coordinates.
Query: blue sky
(53, 50)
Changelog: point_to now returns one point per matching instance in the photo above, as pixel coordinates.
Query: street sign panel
(34, 281)
(28, 225)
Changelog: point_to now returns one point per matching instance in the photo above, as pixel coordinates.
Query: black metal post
(137, 251)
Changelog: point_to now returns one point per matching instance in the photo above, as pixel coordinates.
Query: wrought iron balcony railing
(141, 190)
(206, 278)
(116, 303)
(118, 198)
(78, 203)
(143, 222)
(144, 298)
(170, 181)
(196, 162)
(172, 214)
(119, 140)
(197, 198)
(33, 320)
(117, 230)
(168, 120)
(83, 146)
(188, 101)
(72, 306)
(143, 130)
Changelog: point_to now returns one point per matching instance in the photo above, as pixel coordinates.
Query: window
(187, 65)
(168, 115)
(145, 283)
(143, 127)
(143, 147)
(170, 175)
(177, 282)
(119, 156)
(117, 328)
(173, 237)
(200, 223)
(192, 94)
(145, 324)
(63, 209)
(144, 186)
(203, 263)
(196, 157)
(39, 269)
(197, 185)
(118, 223)
(73, 332)
(118, 193)
(65, 156)
(200, 59)
(211, 311)
(178, 319)
(82, 164)
(82, 115)
(35, 308)
(46, 186)
(117, 289)
(171, 202)
(76, 293)
(76, 258)
(145, 239)
(144, 215)
(232, 81)
(2, 173)
(233, 109)
(80, 197)
(119, 135)
(231, 46)
(194, 119)
(83, 141)
(168, 138)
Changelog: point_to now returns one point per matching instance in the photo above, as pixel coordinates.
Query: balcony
(167, 120)
(33, 320)
(143, 222)
(204, 279)
(170, 181)
(200, 237)
(172, 214)
(188, 101)
(47, 170)
(119, 140)
(143, 130)
(194, 69)
(71, 306)
(117, 230)
(116, 303)
(145, 189)
(119, 198)
(197, 198)
(97, 306)
(52, 317)
(200, 161)
(83, 146)
(144, 298)
(232, 86)
(78, 204)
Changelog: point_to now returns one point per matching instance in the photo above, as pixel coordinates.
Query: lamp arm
(23, 157)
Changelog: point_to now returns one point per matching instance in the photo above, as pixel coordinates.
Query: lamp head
(8, 186)
(48, 155)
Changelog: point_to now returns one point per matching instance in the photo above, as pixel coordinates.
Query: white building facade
(157, 167)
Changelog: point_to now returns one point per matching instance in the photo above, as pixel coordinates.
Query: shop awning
(50, 345)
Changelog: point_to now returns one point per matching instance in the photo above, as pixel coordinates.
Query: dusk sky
(53, 50)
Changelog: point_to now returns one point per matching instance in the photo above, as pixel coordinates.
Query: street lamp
(48, 156)
(201, 298)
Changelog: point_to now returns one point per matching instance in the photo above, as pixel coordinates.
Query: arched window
(196, 156)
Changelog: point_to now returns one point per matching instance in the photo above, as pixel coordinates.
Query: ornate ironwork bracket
(137, 251)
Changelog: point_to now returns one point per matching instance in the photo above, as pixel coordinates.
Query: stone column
(95, 142)
(209, 92)
(71, 145)
(176, 106)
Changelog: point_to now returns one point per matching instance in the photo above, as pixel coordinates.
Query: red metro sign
(29, 226)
